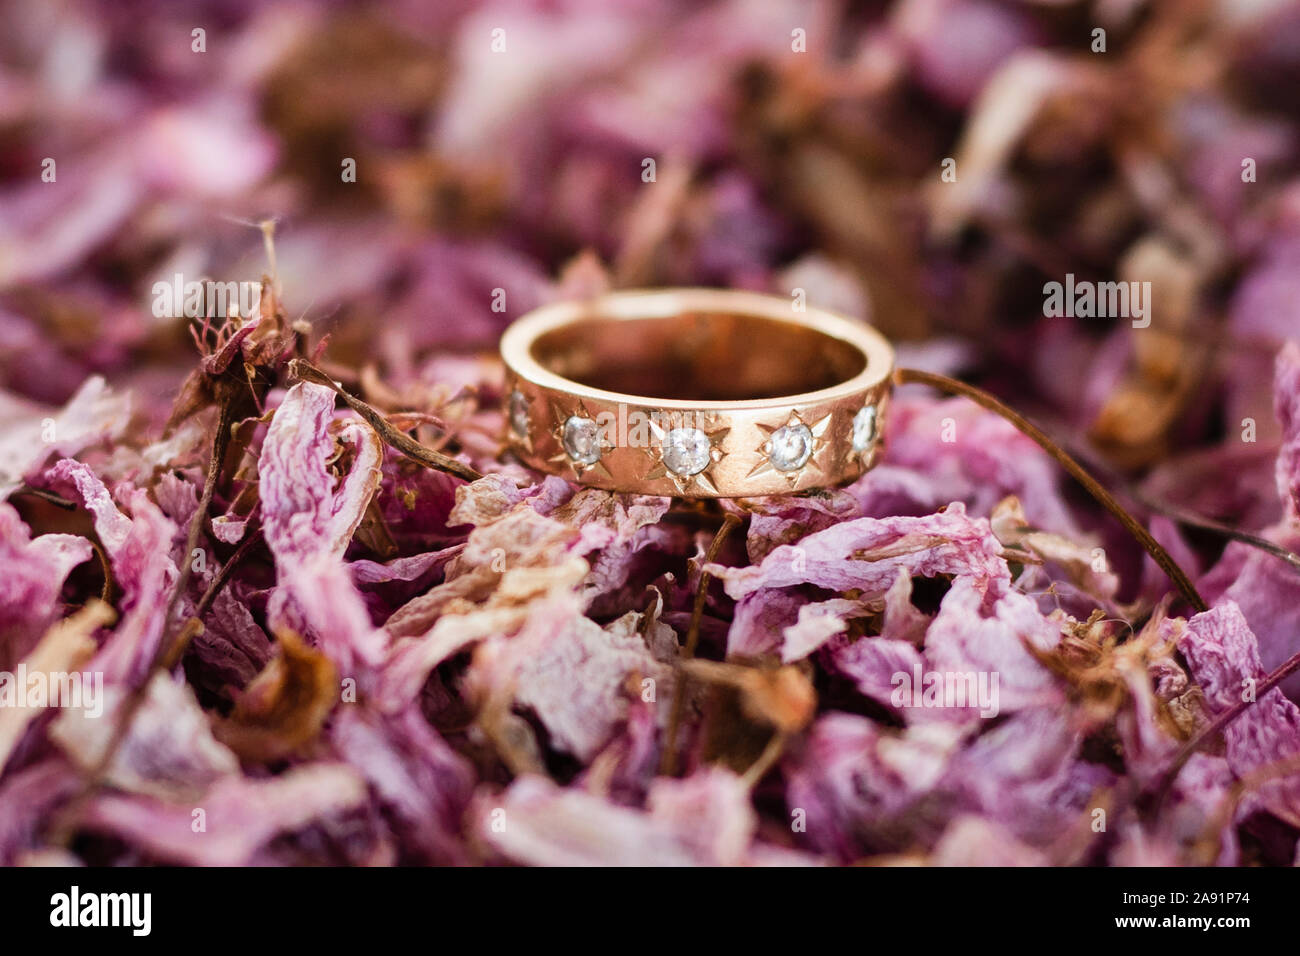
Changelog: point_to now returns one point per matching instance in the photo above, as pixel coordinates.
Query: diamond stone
(686, 451)
(864, 428)
(792, 446)
(519, 413)
(581, 440)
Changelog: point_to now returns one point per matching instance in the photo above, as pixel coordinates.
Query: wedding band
(697, 393)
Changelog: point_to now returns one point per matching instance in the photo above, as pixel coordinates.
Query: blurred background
(928, 165)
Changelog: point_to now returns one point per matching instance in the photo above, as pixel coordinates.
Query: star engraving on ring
(684, 448)
(790, 448)
(582, 441)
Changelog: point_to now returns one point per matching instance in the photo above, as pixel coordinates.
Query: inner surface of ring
(698, 356)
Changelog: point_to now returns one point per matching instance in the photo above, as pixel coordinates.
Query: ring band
(697, 393)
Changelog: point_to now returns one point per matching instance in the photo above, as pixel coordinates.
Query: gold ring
(698, 393)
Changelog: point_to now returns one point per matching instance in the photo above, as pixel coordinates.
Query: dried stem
(1190, 520)
(57, 500)
(766, 760)
(1184, 517)
(188, 633)
(1160, 786)
(131, 707)
(982, 398)
(668, 760)
(408, 446)
(225, 418)
(220, 441)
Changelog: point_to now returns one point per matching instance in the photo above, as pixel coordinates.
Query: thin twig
(1190, 520)
(220, 442)
(57, 500)
(668, 759)
(131, 706)
(188, 633)
(1161, 785)
(225, 418)
(408, 446)
(1180, 515)
(982, 398)
(771, 753)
